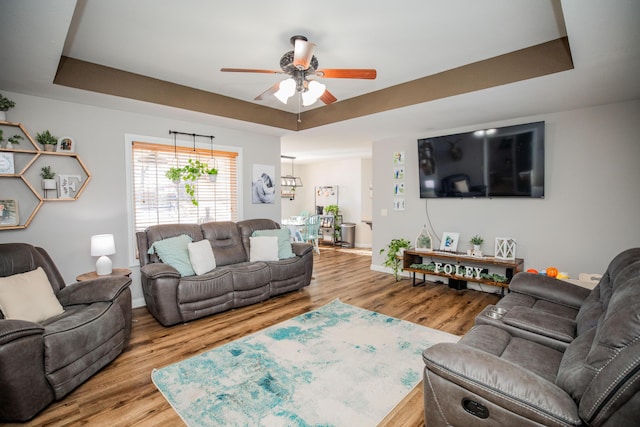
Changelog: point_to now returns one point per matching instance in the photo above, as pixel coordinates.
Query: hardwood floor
(122, 394)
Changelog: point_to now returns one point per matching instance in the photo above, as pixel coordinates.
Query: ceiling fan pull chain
(299, 101)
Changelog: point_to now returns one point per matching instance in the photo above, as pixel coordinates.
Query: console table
(460, 266)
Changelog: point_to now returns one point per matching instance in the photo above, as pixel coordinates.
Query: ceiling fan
(300, 64)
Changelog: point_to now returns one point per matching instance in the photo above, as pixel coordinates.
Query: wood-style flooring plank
(122, 393)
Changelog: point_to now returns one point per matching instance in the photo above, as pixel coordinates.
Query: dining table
(296, 225)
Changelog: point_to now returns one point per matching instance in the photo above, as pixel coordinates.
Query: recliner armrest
(12, 329)
(300, 248)
(93, 290)
(501, 382)
(157, 270)
(547, 324)
(549, 289)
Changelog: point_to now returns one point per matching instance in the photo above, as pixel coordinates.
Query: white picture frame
(7, 165)
(505, 248)
(66, 144)
(9, 213)
(69, 185)
(449, 242)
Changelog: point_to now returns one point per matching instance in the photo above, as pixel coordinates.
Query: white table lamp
(101, 246)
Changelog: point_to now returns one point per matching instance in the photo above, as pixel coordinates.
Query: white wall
(350, 175)
(64, 228)
(591, 207)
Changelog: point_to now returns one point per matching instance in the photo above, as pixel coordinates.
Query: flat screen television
(497, 162)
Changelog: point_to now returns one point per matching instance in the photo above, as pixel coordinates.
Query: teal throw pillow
(175, 252)
(284, 241)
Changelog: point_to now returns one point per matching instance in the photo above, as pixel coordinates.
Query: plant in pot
(48, 181)
(14, 140)
(477, 242)
(174, 174)
(333, 210)
(47, 140)
(190, 173)
(5, 105)
(395, 249)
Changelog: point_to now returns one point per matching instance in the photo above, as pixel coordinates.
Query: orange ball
(532, 270)
(552, 271)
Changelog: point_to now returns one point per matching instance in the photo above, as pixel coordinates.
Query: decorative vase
(3, 116)
(213, 177)
(49, 147)
(423, 241)
(9, 145)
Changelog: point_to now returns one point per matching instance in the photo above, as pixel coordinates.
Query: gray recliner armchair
(501, 374)
(45, 361)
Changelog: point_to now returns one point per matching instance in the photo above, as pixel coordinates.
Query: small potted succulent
(14, 140)
(48, 181)
(47, 140)
(5, 105)
(477, 242)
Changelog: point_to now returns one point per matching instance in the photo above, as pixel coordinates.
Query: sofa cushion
(226, 242)
(284, 241)
(28, 296)
(201, 256)
(263, 248)
(174, 251)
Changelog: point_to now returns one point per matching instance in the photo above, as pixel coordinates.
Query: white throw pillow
(201, 256)
(28, 296)
(263, 248)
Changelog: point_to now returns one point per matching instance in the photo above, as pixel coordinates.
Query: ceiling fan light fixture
(286, 90)
(314, 91)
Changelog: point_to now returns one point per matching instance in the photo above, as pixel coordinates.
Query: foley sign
(458, 270)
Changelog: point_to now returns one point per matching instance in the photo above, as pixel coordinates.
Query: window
(157, 200)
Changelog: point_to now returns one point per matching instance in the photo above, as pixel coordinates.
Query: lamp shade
(102, 244)
(287, 89)
(315, 91)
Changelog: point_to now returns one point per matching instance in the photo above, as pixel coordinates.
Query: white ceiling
(187, 42)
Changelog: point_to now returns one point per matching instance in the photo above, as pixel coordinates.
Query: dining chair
(311, 230)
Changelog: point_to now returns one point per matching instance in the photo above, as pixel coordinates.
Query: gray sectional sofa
(560, 355)
(174, 298)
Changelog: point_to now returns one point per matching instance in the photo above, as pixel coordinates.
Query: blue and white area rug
(338, 365)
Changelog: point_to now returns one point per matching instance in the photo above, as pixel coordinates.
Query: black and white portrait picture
(263, 187)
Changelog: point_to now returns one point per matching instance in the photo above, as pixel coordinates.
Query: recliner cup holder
(496, 312)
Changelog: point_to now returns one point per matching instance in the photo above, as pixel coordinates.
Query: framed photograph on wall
(398, 158)
(398, 173)
(8, 213)
(449, 241)
(66, 144)
(69, 185)
(6, 164)
(263, 185)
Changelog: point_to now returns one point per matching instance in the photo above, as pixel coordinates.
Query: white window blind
(157, 200)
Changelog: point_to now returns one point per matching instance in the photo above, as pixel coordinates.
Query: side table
(94, 275)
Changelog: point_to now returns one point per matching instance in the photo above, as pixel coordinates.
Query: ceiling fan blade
(327, 97)
(347, 73)
(248, 70)
(302, 54)
(273, 89)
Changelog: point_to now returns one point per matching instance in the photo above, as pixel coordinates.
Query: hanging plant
(190, 173)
